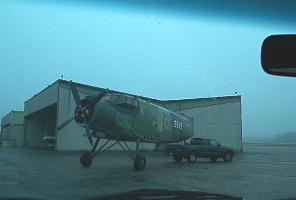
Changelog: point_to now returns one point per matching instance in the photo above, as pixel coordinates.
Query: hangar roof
(100, 89)
(171, 104)
(89, 87)
(148, 98)
(184, 104)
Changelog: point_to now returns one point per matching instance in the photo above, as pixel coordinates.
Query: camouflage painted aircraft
(123, 118)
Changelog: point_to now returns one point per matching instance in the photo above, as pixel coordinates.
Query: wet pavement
(261, 172)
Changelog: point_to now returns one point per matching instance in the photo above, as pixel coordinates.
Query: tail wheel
(139, 163)
(228, 157)
(86, 159)
(178, 158)
(191, 157)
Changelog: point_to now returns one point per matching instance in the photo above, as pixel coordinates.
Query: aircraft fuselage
(129, 118)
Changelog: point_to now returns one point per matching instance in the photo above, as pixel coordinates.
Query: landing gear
(139, 160)
(139, 163)
(86, 159)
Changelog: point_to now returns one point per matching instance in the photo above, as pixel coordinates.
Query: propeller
(84, 109)
(87, 129)
(100, 96)
(65, 123)
(75, 94)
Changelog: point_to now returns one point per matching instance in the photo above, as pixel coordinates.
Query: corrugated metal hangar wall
(218, 118)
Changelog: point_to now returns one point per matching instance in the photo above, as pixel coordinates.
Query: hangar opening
(40, 124)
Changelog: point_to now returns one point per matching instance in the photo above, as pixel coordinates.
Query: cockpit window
(107, 98)
(130, 101)
(123, 101)
(114, 99)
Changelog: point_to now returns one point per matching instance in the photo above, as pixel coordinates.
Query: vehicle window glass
(196, 141)
(206, 142)
(214, 142)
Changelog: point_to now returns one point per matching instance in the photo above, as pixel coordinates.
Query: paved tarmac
(261, 172)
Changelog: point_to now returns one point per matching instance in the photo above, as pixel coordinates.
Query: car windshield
(214, 143)
(106, 97)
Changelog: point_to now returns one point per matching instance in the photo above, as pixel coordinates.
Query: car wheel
(191, 157)
(228, 157)
(178, 158)
(213, 159)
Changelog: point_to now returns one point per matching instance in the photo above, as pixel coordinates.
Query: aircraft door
(159, 122)
(128, 108)
(207, 148)
(166, 127)
(213, 147)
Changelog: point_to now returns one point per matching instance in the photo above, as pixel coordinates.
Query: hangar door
(38, 124)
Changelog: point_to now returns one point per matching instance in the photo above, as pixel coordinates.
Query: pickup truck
(200, 148)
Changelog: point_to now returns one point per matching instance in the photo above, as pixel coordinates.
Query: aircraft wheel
(86, 159)
(139, 163)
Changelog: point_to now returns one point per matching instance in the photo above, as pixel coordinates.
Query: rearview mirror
(278, 55)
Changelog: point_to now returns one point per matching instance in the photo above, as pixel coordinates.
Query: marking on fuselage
(178, 125)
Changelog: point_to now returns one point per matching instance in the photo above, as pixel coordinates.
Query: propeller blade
(87, 129)
(100, 96)
(75, 94)
(65, 123)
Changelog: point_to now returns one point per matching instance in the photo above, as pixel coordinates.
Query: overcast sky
(153, 53)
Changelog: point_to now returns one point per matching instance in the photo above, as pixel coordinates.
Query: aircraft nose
(104, 114)
(81, 114)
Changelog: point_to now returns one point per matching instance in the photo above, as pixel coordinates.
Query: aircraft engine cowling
(84, 111)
